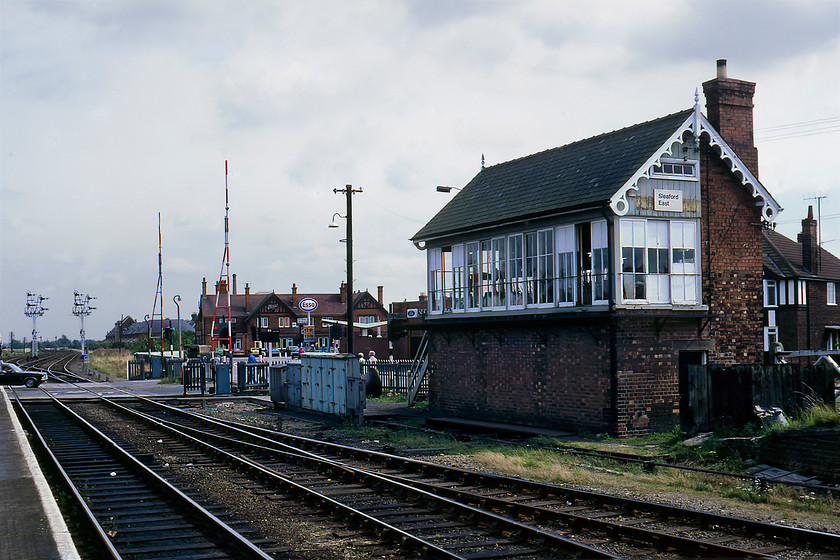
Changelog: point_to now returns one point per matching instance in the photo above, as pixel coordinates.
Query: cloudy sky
(115, 111)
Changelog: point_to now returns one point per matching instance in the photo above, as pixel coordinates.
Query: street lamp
(177, 300)
(348, 192)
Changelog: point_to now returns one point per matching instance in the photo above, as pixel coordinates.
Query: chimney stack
(810, 243)
(234, 284)
(247, 298)
(204, 286)
(294, 295)
(343, 292)
(379, 294)
(729, 107)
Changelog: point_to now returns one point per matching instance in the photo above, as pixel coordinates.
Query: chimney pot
(721, 69)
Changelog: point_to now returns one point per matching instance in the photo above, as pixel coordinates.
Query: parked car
(12, 374)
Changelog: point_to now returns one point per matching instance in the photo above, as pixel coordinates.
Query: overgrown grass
(818, 415)
(110, 361)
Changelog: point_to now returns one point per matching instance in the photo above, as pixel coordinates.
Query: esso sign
(308, 304)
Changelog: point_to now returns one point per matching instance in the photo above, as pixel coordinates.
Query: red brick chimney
(379, 294)
(247, 298)
(810, 243)
(204, 286)
(342, 291)
(729, 107)
(294, 295)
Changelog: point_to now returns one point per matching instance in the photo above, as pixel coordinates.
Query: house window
(771, 337)
(486, 275)
(832, 338)
(675, 169)
(457, 278)
(831, 293)
(566, 268)
(801, 292)
(283, 322)
(770, 293)
(264, 322)
(366, 320)
(323, 342)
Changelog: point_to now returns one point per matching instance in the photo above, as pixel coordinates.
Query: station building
(270, 320)
(571, 288)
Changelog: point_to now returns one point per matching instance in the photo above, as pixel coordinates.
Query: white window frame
(599, 241)
(801, 292)
(831, 293)
(771, 293)
(263, 322)
(565, 248)
(682, 164)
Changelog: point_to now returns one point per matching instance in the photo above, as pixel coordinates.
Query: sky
(115, 112)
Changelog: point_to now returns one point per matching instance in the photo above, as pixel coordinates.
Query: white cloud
(113, 112)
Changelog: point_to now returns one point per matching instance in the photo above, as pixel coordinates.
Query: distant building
(271, 320)
(801, 282)
(405, 319)
(138, 330)
(116, 334)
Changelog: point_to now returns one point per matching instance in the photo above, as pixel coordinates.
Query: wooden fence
(727, 395)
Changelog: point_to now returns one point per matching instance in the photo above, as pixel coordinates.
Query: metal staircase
(418, 383)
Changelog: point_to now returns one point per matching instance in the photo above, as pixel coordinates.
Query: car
(12, 374)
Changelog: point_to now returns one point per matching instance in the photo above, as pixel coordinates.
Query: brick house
(271, 320)
(801, 282)
(571, 288)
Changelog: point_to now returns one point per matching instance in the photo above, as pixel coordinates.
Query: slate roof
(580, 175)
(329, 305)
(142, 327)
(782, 257)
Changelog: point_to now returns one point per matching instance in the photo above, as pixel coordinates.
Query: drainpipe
(613, 420)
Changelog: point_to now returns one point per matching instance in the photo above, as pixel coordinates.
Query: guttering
(424, 241)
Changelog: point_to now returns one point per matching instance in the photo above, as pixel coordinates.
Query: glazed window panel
(566, 267)
(530, 268)
(516, 270)
(685, 270)
(831, 293)
(600, 262)
(499, 276)
(658, 261)
(487, 266)
(473, 276)
(633, 259)
(457, 278)
(435, 280)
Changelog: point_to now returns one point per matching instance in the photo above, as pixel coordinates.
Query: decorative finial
(696, 97)
(482, 161)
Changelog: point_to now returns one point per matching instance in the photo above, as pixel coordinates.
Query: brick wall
(732, 270)
(554, 377)
(813, 451)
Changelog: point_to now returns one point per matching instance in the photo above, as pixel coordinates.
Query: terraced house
(571, 288)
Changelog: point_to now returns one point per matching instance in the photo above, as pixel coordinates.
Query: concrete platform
(31, 526)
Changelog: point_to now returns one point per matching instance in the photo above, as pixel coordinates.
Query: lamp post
(177, 300)
(348, 192)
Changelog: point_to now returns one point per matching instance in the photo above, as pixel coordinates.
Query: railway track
(127, 510)
(445, 512)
